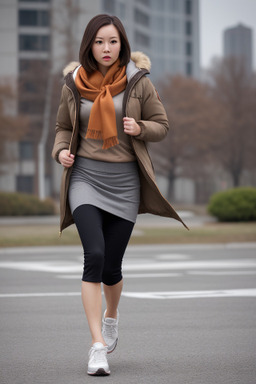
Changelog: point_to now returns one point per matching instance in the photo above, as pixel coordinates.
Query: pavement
(187, 316)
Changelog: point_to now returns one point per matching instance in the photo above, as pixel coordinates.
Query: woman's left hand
(131, 127)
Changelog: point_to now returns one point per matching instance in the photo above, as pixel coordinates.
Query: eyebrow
(102, 38)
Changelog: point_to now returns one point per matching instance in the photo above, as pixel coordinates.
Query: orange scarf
(100, 89)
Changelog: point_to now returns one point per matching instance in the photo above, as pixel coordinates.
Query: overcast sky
(217, 15)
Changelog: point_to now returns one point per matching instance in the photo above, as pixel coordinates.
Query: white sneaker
(110, 331)
(98, 364)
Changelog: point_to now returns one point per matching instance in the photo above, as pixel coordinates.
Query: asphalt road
(187, 316)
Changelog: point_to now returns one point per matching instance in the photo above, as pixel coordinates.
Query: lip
(106, 58)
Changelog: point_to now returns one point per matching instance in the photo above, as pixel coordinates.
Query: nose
(106, 47)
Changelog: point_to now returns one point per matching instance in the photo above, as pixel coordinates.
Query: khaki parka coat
(140, 102)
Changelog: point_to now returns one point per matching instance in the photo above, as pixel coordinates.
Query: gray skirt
(113, 187)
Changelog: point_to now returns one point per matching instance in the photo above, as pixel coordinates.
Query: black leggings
(104, 237)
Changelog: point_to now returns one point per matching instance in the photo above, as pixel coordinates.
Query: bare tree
(234, 91)
(212, 125)
(191, 112)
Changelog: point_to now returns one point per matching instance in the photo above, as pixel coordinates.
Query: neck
(103, 69)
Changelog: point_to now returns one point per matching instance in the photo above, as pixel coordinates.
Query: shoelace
(109, 329)
(98, 354)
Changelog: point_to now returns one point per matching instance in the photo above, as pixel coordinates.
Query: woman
(108, 110)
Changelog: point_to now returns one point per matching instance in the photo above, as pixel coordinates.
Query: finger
(128, 119)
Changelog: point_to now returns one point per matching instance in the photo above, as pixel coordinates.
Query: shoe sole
(99, 372)
(113, 348)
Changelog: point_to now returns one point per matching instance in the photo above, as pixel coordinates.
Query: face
(106, 47)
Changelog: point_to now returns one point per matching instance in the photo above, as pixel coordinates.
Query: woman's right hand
(66, 158)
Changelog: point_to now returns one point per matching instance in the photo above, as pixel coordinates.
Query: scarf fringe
(110, 142)
(96, 135)
(93, 134)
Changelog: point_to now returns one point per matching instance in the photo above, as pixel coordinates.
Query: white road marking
(192, 294)
(150, 295)
(39, 294)
(76, 250)
(129, 276)
(197, 264)
(173, 256)
(221, 273)
(43, 266)
(73, 267)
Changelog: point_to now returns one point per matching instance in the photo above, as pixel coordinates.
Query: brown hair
(85, 54)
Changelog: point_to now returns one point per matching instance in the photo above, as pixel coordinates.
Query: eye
(98, 42)
(113, 41)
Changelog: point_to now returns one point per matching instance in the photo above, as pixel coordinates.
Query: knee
(93, 265)
(111, 277)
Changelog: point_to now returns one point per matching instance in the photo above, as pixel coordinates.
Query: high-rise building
(166, 30)
(42, 36)
(238, 43)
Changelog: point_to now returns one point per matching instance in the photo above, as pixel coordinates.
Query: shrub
(21, 204)
(236, 204)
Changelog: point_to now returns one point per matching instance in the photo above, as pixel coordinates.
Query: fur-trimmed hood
(139, 58)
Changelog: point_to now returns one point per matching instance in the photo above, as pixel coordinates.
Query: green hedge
(236, 204)
(21, 204)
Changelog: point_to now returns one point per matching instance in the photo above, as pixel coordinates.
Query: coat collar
(138, 61)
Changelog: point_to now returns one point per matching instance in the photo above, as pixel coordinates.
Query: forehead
(107, 31)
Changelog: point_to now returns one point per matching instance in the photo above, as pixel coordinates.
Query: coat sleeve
(63, 127)
(154, 122)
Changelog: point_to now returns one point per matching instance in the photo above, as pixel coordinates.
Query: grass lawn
(42, 234)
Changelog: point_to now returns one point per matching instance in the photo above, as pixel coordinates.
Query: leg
(88, 220)
(112, 295)
(117, 232)
(92, 302)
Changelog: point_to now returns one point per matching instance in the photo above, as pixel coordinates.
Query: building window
(174, 5)
(34, 43)
(142, 39)
(188, 7)
(28, 66)
(141, 18)
(189, 68)
(34, 18)
(144, 2)
(175, 26)
(188, 28)
(158, 5)
(32, 87)
(175, 46)
(109, 6)
(122, 11)
(159, 23)
(34, 1)
(188, 48)
(25, 184)
(26, 150)
(159, 45)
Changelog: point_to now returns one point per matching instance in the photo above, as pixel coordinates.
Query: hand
(66, 158)
(131, 127)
